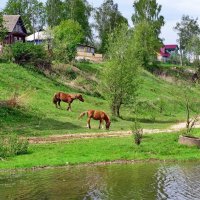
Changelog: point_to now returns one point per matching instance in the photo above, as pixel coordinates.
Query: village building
(15, 27)
(166, 51)
(87, 52)
(39, 37)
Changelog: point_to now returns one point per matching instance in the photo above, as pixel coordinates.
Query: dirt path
(67, 137)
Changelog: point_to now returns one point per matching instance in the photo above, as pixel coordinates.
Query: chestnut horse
(68, 98)
(96, 115)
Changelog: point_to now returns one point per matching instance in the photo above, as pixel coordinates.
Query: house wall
(85, 49)
(89, 56)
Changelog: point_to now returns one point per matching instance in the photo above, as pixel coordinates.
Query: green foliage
(54, 9)
(146, 43)
(107, 18)
(137, 133)
(80, 11)
(149, 11)
(12, 145)
(66, 37)
(6, 55)
(193, 48)
(3, 30)
(187, 29)
(148, 23)
(120, 76)
(32, 12)
(24, 53)
(77, 10)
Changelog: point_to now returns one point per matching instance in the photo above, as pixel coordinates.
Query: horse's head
(108, 125)
(79, 97)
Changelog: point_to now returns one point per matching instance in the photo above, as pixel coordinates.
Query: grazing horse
(96, 115)
(68, 98)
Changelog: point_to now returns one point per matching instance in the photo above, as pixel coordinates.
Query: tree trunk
(181, 57)
(113, 110)
(118, 110)
(181, 53)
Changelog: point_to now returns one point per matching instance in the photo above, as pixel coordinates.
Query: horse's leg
(58, 103)
(88, 123)
(100, 123)
(69, 107)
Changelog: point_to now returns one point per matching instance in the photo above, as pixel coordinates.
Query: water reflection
(179, 182)
(131, 181)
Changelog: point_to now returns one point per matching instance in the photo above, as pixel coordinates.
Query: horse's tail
(82, 114)
(55, 98)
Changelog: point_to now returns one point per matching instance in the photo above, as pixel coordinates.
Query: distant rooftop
(41, 35)
(171, 46)
(10, 22)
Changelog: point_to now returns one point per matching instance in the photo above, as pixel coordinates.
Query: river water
(138, 181)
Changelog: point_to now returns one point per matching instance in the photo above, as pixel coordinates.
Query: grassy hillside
(160, 102)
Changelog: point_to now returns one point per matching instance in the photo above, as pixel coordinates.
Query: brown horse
(96, 115)
(68, 98)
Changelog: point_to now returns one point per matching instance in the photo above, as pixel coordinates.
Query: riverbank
(161, 146)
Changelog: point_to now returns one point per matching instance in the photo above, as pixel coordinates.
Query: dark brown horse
(96, 115)
(68, 98)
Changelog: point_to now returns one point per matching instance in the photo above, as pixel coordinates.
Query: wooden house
(87, 52)
(15, 27)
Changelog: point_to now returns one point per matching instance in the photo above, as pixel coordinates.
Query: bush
(137, 133)
(12, 145)
(7, 55)
(30, 53)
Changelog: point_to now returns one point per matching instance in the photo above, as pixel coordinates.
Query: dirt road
(67, 137)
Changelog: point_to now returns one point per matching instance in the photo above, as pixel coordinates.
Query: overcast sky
(172, 10)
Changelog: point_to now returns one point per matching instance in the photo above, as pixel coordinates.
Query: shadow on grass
(21, 122)
(52, 124)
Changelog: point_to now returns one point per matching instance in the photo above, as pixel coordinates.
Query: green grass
(39, 117)
(158, 146)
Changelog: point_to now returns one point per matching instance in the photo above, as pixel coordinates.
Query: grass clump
(12, 145)
(137, 133)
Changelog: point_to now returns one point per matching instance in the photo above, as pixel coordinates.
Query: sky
(172, 10)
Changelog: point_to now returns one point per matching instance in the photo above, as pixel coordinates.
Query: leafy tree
(77, 10)
(3, 30)
(55, 10)
(145, 42)
(149, 22)
(37, 13)
(193, 47)
(148, 10)
(107, 18)
(66, 37)
(31, 11)
(80, 11)
(187, 29)
(120, 76)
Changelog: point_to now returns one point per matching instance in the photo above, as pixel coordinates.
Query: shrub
(137, 133)
(7, 55)
(67, 35)
(12, 145)
(30, 53)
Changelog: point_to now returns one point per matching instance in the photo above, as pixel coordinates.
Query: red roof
(171, 46)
